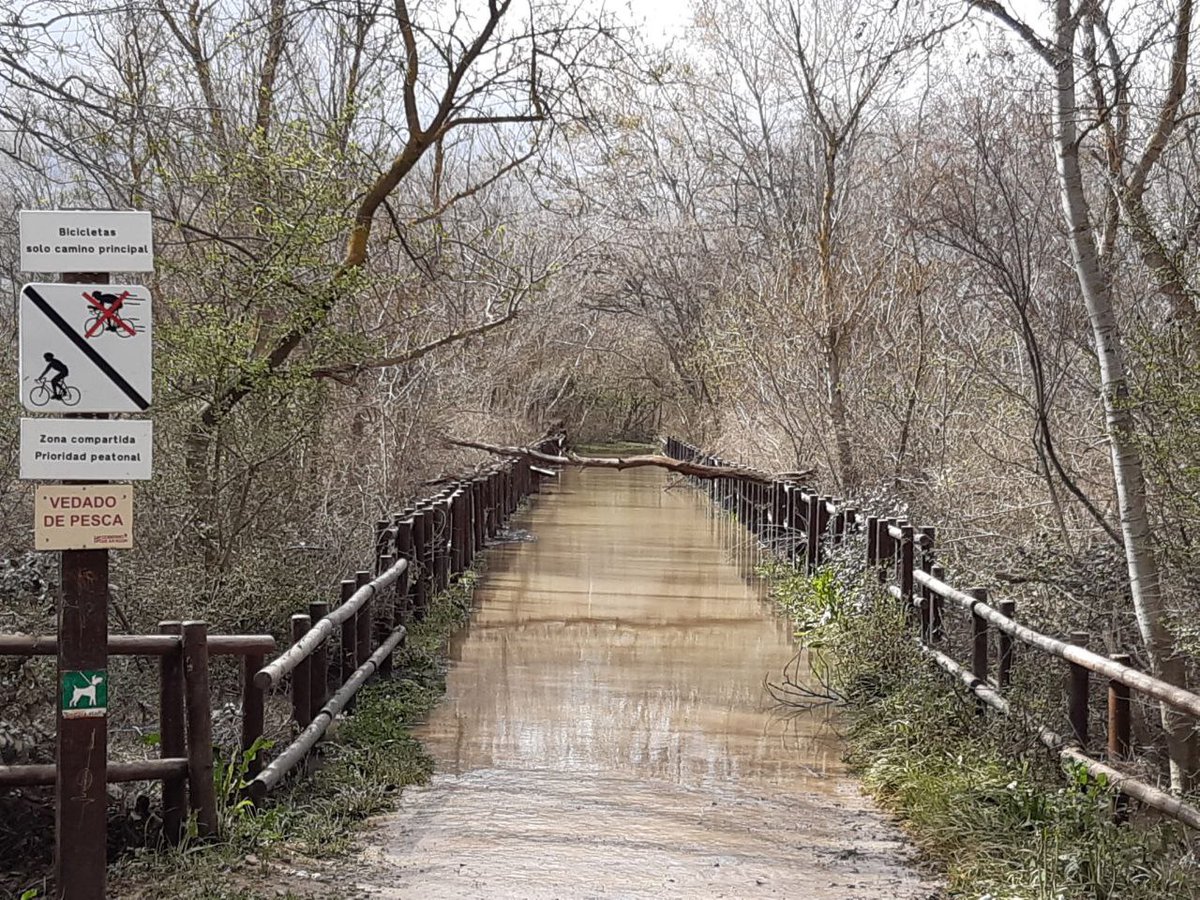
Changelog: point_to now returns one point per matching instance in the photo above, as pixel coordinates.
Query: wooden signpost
(88, 518)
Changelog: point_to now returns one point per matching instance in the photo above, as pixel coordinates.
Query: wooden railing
(186, 762)
(419, 552)
(802, 526)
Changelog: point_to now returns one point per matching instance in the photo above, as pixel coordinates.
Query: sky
(659, 18)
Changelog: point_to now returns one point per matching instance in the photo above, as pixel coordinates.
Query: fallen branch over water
(683, 467)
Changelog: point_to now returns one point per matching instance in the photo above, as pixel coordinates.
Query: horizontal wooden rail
(269, 777)
(1126, 784)
(137, 770)
(1093, 662)
(141, 644)
(902, 555)
(271, 674)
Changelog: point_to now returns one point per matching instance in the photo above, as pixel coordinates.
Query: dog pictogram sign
(84, 694)
(85, 348)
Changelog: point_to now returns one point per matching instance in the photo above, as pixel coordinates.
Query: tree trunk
(1144, 578)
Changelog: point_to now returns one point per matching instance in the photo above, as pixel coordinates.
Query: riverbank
(982, 798)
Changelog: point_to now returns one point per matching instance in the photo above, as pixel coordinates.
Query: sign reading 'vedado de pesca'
(83, 517)
(63, 240)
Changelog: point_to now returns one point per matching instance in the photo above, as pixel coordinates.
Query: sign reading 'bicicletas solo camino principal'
(65, 240)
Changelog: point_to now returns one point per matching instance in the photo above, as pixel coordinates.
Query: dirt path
(606, 732)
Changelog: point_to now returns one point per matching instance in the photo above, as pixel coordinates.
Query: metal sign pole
(80, 799)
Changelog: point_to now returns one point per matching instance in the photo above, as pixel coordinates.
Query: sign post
(80, 813)
(85, 348)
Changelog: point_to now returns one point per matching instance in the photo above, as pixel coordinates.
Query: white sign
(86, 449)
(64, 240)
(85, 348)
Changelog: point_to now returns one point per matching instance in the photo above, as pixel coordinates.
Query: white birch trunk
(1144, 581)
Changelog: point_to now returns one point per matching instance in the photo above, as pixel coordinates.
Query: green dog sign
(84, 694)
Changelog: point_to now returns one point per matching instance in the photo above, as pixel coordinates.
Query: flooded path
(606, 731)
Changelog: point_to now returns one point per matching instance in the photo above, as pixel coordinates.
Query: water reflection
(624, 640)
(606, 730)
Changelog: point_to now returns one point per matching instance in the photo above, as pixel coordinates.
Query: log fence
(419, 552)
(334, 649)
(802, 526)
(186, 762)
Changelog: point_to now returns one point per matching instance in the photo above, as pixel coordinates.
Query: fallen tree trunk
(681, 467)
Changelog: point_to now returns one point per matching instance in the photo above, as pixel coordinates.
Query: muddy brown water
(606, 731)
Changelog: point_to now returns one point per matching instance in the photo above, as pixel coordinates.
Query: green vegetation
(982, 799)
(362, 766)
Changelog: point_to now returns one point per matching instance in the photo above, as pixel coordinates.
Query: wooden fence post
(812, 526)
(478, 513)
(404, 550)
(979, 645)
(928, 541)
(936, 628)
(1004, 668)
(301, 685)
(1120, 726)
(253, 714)
(1120, 730)
(365, 621)
(172, 734)
(318, 672)
(419, 580)
(1077, 701)
(872, 541)
(387, 618)
(349, 660)
(201, 788)
(907, 564)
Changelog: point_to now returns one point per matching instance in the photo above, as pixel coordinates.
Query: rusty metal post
(172, 735)
(979, 644)
(253, 714)
(202, 791)
(301, 685)
(1004, 667)
(1077, 695)
(318, 666)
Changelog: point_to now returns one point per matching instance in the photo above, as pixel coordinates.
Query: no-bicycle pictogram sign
(85, 348)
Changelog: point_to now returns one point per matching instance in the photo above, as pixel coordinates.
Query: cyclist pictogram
(100, 334)
(105, 309)
(57, 387)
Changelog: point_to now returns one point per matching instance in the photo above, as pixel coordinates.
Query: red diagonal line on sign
(108, 314)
